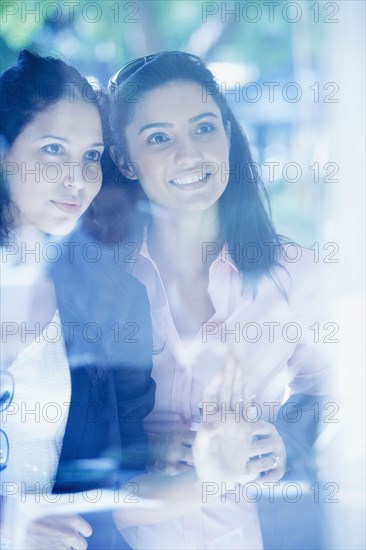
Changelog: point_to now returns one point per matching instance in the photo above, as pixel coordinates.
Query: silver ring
(276, 460)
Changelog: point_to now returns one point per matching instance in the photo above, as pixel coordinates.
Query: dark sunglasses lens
(4, 450)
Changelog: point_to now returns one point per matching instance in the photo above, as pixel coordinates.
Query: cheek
(150, 172)
(27, 195)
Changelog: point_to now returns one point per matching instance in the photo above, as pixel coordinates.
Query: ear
(127, 168)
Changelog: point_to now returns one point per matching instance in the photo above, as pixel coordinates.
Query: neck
(28, 233)
(176, 239)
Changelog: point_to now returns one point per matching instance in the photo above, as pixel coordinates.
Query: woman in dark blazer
(111, 393)
(105, 316)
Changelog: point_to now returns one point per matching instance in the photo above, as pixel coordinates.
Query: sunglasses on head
(133, 66)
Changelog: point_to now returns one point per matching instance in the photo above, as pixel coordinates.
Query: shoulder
(297, 265)
(301, 262)
(302, 277)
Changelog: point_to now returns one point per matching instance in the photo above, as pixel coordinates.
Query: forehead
(177, 100)
(65, 117)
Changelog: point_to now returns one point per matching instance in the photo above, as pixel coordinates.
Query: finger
(210, 393)
(174, 439)
(260, 465)
(244, 394)
(273, 475)
(174, 469)
(267, 436)
(226, 387)
(262, 428)
(188, 437)
(80, 525)
(248, 394)
(172, 449)
(206, 440)
(187, 456)
(76, 542)
(237, 395)
(181, 453)
(49, 527)
(210, 400)
(63, 523)
(49, 534)
(262, 446)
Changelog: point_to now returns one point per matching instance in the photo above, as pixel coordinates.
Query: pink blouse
(280, 339)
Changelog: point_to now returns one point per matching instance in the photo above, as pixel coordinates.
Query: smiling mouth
(69, 207)
(190, 182)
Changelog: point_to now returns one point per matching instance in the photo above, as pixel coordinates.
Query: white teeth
(189, 179)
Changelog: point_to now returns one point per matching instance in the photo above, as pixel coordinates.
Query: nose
(73, 176)
(187, 153)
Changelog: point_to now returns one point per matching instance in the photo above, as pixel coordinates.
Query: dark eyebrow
(53, 137)
(202, 115)
(169, 125)
(155, 125)
(97, 145)
(50, 136)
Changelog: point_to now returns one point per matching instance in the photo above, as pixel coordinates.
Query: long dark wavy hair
(34, 84)
(244, 211)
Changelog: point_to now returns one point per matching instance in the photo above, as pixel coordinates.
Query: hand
(267, 454)
(58, 532)
(229, 447)
(223, 443)
(173, 452)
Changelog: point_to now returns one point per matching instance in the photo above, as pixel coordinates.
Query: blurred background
(294, 74)
(269, 57)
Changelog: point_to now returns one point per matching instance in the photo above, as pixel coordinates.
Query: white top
(278, 351)
(36, 419)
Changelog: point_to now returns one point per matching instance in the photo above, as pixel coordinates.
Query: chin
(194, 206)
(59, 230)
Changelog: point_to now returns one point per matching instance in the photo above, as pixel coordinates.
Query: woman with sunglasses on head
(218, 283)
(52, 371)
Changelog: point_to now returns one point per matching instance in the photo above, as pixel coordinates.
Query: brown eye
(205, 129)
(156, 139)
(53, 149)
(93, 156)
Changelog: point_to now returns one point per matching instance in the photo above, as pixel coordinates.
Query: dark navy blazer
(105, 317)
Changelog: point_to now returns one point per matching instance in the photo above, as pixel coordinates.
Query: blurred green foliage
(98, 37)
(76, 29)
